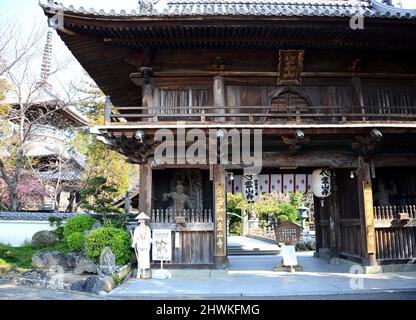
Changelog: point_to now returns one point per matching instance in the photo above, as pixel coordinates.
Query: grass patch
(20, 258)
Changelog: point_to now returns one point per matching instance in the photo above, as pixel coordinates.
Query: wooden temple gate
(322, 95)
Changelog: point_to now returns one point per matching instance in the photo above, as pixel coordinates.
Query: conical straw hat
(142, 216)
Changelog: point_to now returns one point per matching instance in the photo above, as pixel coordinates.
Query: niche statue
(180, 199)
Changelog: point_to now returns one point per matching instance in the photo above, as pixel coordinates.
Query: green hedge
(117, 239)
(75, 241)
(78, 224)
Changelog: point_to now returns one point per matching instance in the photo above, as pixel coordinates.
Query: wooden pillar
(220, 218)
(219, 96)
(365, 197)
(334, 217)
(145, 195)
(148, 100)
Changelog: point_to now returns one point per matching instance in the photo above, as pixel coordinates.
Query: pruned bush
(78, 224)
(75, 241)
(117, 239)
(282, 218)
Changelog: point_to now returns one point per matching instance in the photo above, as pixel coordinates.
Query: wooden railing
(395, 238)
(390, 212)
(314, 114)
(190, 215)
(263, 233)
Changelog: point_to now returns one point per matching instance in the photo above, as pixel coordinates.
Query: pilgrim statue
(142, 241)
(181, 201)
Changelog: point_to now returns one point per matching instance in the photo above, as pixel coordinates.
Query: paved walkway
(13, 292)
(248, 277)
(250, 243)
(252, 276)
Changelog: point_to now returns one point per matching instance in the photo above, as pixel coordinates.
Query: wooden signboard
(287, 232)
(290, 67)
(219, 219)
(369, 217)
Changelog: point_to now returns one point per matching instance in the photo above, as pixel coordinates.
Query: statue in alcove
(382, 196)
(180, 200)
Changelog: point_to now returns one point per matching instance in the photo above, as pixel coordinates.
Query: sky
(28, 13)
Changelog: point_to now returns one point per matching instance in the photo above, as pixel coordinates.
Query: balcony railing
(267, 114)
(189, 215)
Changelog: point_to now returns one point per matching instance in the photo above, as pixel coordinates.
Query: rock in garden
(49, 260)
(107, 261)
(78, 285)
(83, 265)
(44, 238)
(95, 226)
(35, 274)
(72, 258)
(97, 285)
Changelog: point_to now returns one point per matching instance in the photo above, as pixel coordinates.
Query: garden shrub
(118, 240)
(236, 228)
(116, 220)
(75, 241)
(282, 218)
(288, 210)
(78, 224)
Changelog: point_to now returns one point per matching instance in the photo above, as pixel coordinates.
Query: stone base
(366, 269)
(146, 274)
(221, 262)
(372, 269)
(280, 267)
(323, 253)
(399, 267)
(287, 268)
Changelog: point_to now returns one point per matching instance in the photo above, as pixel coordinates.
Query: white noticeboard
(162, 245)
(289, 256)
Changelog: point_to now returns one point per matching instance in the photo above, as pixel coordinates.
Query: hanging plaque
(290, 67)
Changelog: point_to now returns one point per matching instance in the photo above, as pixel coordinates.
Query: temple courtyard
(250, 277)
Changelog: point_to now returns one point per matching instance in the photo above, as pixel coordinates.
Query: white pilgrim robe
(142, 240)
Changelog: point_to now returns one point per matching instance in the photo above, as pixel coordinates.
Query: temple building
(57, 167)
(327, 84)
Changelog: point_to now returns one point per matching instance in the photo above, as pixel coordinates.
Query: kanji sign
(250, 185)
(290, 67)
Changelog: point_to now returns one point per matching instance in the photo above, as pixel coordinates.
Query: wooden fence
(395, 238)
(266, 234)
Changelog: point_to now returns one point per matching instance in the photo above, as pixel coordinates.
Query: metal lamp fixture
(139, 135)
(300, 134)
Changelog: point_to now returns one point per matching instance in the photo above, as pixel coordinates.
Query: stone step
(244, 252)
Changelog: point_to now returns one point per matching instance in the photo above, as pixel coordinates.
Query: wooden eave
(104, 44)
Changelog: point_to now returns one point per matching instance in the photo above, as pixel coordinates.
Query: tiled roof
(35, 216)
(329, 8)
